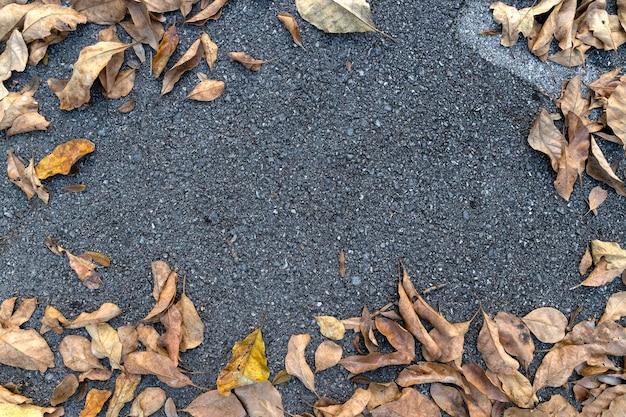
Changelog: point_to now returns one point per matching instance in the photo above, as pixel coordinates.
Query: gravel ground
(419, 152)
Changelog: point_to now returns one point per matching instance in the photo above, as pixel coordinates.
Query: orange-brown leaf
(207, 90)
(327, 355)
(188, 61)
(295, 362)
(151, 363)
(94, 402)
(210, 49)
(515, 338)
(63, 157)
(103, 314)
(166, 48)
(212, 11)
(247, 61)
(25, 349)
(25, 177)
(491, 348)
(64, 390)
(292, 26)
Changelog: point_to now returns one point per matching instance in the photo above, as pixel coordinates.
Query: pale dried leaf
(148, 402)
(515, 338)
(338, 16)
(104, 313)
(292, 26)
(330, 327)
(105, 343)
(327, 355)
(214, 404)
(125, 386)
(190, 59)
(94, 402)
(261, 399)
(101, 12)
(546, 138)
(77, 355)
(491, 348)
(210, 49)
(615, 308)
(295, 362)
(410, 404)
(25, 349)
(596, 197)
(41, 21)
(151, 363)
(600, 169)
(547, 324)
(207, 90)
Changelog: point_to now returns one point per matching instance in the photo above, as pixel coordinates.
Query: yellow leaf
(24, 410)
(94, 402)
(247, 365)
(63, 157)
(330, 327)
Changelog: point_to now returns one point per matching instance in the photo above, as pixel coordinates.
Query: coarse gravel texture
(418, 152)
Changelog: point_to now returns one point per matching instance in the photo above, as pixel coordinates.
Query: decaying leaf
(449, 399)
(28, 122)
(573, 156)
(330, 327)
(211, 12)
(107, 12)
(125, 386)
(596, 197)
(261, 399)
(25, 177)
(148, 402)
(351, 408)
(164, 289)
(295, 362)
(77, 355)
(547, 324)
(103, 314)
(169, 408)
(172, 320)
(105, 343)
(247, 365)
(428, 372)
(41, 21)
(513, 22)
(281, 377)
(53, 320)
(327, 355)
(64, 390)
(247, 61)
(493, 351)
(210, 49)
(292, 26)
(515, 338)
(63, 157)
(338, 16)
(411, 403)
(190, 59)
(213, 403)
(12, 319)
(207, 90)
(546, 138)
(167, 46)
(91, 61)
(94, 402)
(192, 326)
(615, 308)
(151, 363)
(142, 27)
(25, 349)
(127, 106)
(600, 169)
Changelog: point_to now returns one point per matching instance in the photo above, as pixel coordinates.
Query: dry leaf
(210, 49)
(42, 20)
(330, 327)
(214, 404)
(585, 262)
(148, 402)
(327, 355)
(513, 22)
(614, 255)
(163, 291)
(414, 325)
(53, 320)
(105, 343)
(25, 349)
(397, 336)
(85, 269)
(351, 408)
(94, 402)
(63, 157)
(295, 362)
(170, 408)
(129, 337)
(546, 138)
(151, 339)
(247, 365)
(519, 390)
(127, 106)
(12, 15)
(600, 169)
(615, 308)
(103, 314)
(477, 377)
(212, 11)
(596, 197)
(28, 122)
(338, 16)
(25, 177)
(64, 390)
(515, 338)
(21, 315)
(616, 111)
(166, 48)
(547, 324)
(281, 377)
(382, 394)
(292, 26)
(193, 327)
(573, 156)
(27, 410)
(91, 61)
(151, 363)
(428, 372)
(247, 61)
(489, 345)
(172, 321)
(77, 355)
(125, 386)
(261, 399)
(207, 90)
(142, 27)
(190, 59)
(449, 399)
(107, 12)
(410, 404)
(14, 57)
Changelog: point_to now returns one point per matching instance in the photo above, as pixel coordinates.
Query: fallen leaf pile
(575, 25)
(577, 151)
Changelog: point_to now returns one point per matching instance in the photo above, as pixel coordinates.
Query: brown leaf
(125, 386)
(397, 336)
(596, 197)
(519, 390)
(170, 408)
(295, 362)
(428, 372)
(129, 338)
(15, 104)
(513, 22)
(585, 262)
(615, 308)
(351, 408)
(207, 90)
(151, 363)
(163, 293)
(414, 325)
(172, 320)
(545, 137)
(103, 314)
(449, 399)
(410, 404)
(214, 404)
(477, 377)
(142, 27)
(210, 49)
(127, 106)
(42, 20)
(28, 410)
(53, 320)
(600, 169)
(190, 59)
(600, 275)
(25, 349)
(38, 49)
(96, 374)
(91, 61)
(282, 376)
(515, 338)
(28, 122)
(101, 12)
(85, 269)
(105, 343)
(247, 61)
(571, 57)
(94, 402)
(547, 324)
(63, 157)
(327, 355)
(25, 177)
(6, 310)
(338, 16)
(148, 402)
(366, 327)
(572, 100)
(211, 12)
(558, 406)
(14, 57)
(166, 48)
(573, 156)
(12, 15)
(261, 399)
(603, 401)
(64, 390)
(382, 393)
(192, 327)
(77, 355)
(151, 339)
(292, 26)
(22, 314)
(491, 348)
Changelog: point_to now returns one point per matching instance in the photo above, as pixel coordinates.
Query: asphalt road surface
(418, 152)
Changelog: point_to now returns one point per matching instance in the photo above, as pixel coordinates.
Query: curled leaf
(292, 26)
(63, 157)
